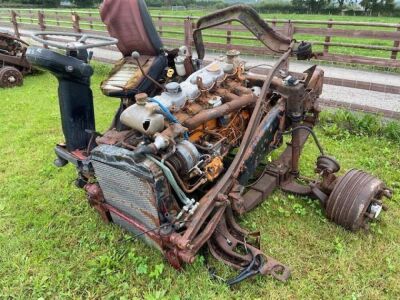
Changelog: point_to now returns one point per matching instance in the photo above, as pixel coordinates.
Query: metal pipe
(133, 222)
(214, 113)
(135, 56)
(295, 150)
(171, 179)
(275, 82)
(297, 128)
(181, 183)
(226, 95)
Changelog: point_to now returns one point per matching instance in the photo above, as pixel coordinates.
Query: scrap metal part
(13, 63)
(10, 76)
(213, 206)
(247, 16)
(177, 168)
(356, 199)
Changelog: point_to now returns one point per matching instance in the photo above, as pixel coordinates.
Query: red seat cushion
(129, 21)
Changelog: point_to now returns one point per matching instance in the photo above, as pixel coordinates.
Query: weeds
(342, 123)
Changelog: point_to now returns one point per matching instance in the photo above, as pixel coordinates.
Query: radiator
(135, 189)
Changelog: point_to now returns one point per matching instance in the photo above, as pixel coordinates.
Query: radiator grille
(129, 193)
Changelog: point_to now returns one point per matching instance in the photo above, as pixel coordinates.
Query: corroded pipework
(224, 109)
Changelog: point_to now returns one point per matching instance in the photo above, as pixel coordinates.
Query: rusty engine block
(185, 152)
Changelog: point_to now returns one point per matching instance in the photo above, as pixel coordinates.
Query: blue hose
(168, 114)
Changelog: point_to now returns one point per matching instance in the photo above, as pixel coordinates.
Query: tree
(43, 3)
(377, 6)
(368, 5)
(341, 4)
(311, 5)
(84, 3)
(389, 6)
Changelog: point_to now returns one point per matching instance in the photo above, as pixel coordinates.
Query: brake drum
(356, 199)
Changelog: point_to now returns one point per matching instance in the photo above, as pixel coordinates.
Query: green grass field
(54, 246)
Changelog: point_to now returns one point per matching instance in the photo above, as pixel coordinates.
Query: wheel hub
(375, 209)
(10, 77)
(356, 199)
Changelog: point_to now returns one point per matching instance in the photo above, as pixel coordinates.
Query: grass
(343, 123)
(53, 245)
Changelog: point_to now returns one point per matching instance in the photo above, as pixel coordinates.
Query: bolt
(387, 193)
(222, 198)
(369, 215)
(377, 201)
(366, 226)
(135, 55)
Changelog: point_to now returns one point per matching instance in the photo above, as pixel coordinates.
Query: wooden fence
(337, 41)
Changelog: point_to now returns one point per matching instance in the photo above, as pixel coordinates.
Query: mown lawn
(53, 245)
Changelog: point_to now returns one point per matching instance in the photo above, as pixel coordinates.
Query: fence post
(289, 28)
(327, 38)
(41, 23)
(273, 23)
(160, 25)
(229, 36)
(31, 15)
(90, 21)
(396, 44)
(192, 28)
(57, 19)
(75, 22)
(15, 23)
(188, 34)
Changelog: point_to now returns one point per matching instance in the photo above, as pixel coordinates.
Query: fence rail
(369, 43)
